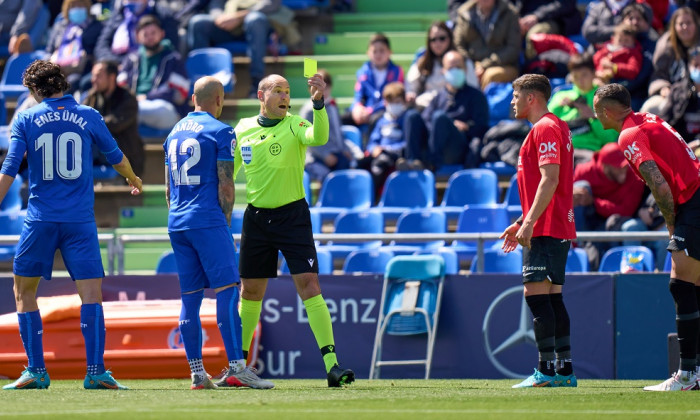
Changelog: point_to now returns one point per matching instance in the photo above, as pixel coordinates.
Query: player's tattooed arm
(661, 191)
(227, 190)
(167, 185)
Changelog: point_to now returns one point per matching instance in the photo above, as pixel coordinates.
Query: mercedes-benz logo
(523, 334)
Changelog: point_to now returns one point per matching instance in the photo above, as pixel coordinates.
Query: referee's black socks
(687, 321)
(544, 325)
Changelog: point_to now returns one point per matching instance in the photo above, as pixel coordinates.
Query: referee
(272, 149)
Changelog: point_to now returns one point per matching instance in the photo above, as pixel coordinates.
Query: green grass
(378, 399)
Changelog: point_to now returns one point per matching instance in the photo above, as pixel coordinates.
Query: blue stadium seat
(306, 4)
(356, 221)
(148, 132)
(166, 263)
(12, 202)
(11, 81)
(215, 62)
(410, 305)
(577, 261)
(367, 261)
(346, 189)
(405, 190)
(469, 186)
(3, 111)
(496, 261)
(325, 262)
(512, 199)
(104, 172)
(236, 221)
(448, 254)
(307, 187)
(4, 137)
(10, 224)
(352, 133)
(477, 219)
(612, 259)
(501, 169)
(419, 221)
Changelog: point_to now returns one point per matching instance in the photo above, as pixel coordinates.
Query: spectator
(634, 15)
(457, 114)
(668, 88)
(119, 109)
(425, 76)
(387, 140)
(335, 154)
(602, 16)
(688, 125)
(234, 20)
(118, 37)
(606, 194)
(546, 16)
(72, 41)
(620, 58)
(20, 25)
(156, 75)
(495, 51)
(372, 77)
(575, 107)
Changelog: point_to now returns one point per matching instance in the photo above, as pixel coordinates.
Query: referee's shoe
(338, 377)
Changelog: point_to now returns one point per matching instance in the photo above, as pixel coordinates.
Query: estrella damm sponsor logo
(275, 149)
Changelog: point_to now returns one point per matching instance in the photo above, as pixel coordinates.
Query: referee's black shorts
(686, 232)
(265, 232)
(546, 259)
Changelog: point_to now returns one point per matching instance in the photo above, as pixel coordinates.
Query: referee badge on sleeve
(247, 154)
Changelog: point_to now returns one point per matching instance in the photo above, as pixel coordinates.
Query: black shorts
(686, 232)
(265, 232)
(546, 258)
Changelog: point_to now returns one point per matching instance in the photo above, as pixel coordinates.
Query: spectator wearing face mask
(456, 116)
(387, 141)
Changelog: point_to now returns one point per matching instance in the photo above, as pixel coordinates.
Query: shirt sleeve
(105, 142)
(225, 144)
(315, 134)
(635, 146)
(549, 146)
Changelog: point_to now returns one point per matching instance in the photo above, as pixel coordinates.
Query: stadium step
(357, 42)
(385, 6)
(385, 22)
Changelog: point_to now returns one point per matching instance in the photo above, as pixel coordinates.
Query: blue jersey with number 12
(58, 135)
(192, 149)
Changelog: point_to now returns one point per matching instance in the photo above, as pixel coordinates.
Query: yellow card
(310, 67)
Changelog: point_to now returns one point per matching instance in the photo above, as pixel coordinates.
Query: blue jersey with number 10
(58, 135)
(192, 149)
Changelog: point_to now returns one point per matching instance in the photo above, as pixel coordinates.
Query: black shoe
(338, 377)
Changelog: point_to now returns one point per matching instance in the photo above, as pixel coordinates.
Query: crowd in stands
(449, 110)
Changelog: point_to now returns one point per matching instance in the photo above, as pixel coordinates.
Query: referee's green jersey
(273, 157)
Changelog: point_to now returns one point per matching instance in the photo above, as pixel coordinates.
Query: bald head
(208, 95)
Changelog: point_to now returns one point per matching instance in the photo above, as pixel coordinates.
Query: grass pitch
(377, 399)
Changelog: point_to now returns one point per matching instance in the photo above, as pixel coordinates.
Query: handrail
(115, 242)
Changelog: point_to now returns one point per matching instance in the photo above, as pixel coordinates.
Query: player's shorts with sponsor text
(265, 232)
(546, 258)
(205, 258)
(78, 243)
(686, 232)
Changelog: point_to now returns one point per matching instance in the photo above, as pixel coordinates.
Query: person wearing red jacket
(621, 58)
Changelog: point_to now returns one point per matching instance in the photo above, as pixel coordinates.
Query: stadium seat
(152, 134)
(501, 169)
(305, 4)
(496, 261)
(11, 82)
(166, 263)
(405, 190)
(10, 224)
(469, 186)
(419, 221)
(146, 216)
(479, 218)
(325, 262)
(307, 187)
(410, 304)
(577, 261)
(104, 172)
(367, 261)
(237, 220)
(612, 259)
(356, 221)
(4, 138)
(512, 199)
(13, 199)
(352, 133)
(215, 62)
(3, 111)
(346, 189)
(448, 254)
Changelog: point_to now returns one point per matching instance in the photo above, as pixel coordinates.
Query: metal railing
(116, 242)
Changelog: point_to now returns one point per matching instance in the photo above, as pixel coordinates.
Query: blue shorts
(78, 243)
(206, 258)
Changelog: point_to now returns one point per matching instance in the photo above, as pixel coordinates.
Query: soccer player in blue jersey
(58, 135)
(200, 193)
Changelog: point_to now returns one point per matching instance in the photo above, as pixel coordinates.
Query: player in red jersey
(661, 157)
(545, 229)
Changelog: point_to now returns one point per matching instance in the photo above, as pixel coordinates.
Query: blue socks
(191, 325)
(229, 322)
(92, 325)
(31, 330)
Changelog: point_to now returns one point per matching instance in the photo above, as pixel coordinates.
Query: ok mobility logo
(524, 334)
